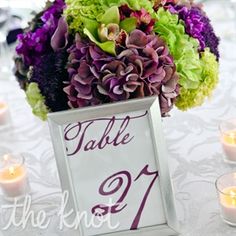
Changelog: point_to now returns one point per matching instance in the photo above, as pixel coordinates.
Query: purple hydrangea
(143, 68)
(84, 63)
(198, 26)
(33, 44)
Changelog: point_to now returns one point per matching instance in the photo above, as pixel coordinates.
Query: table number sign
(112, 161)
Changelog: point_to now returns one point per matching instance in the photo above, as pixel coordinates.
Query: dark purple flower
(125, 11)
(50, 74)
(161, 3)
(198, 26)
(143, 68)
(144, 19)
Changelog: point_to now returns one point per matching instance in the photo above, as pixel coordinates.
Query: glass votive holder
(13, 177)
(228, 139)
(4, 114)
(226, 189)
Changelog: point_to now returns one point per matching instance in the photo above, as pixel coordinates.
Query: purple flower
(60, 37)
(33, 44)
(198, 26)
(52, 15)
(143, 68)
(83, 67)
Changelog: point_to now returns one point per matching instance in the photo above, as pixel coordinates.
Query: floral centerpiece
(78, 53)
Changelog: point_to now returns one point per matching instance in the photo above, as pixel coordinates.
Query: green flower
(93, 29)
(189, 98)
(36, 101)
(183, 48)
(198, 76)
(78, 11)
(105, 32)
(133, 4)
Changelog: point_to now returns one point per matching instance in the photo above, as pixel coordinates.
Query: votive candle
(4, 113)
(226, 188)
(13, 176)
(228, 139)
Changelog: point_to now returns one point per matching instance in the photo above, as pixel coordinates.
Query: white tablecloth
(196, 157)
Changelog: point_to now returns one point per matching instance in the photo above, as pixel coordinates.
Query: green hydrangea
(198, 76)
(77, 10)
(133, 4)
(182, 47)
(189, 98)
(36, 101)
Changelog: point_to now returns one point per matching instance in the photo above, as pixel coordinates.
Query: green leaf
(108, 46)
(134, 4)
(112, 15)
(129, 24)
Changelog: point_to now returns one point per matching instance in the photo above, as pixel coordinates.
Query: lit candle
(226, 189)
(4, 113)
(13, 176)
(228, 140)
(228, 204)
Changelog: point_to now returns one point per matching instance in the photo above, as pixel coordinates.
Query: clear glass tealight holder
(4, 114)
(13, 177)
(228, 139)
(226, 189)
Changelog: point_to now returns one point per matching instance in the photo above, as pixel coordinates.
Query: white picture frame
(57, 123)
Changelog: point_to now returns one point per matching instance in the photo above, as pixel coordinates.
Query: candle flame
(230, 137)
(232, 193)
(233, 202)
(12, 170)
